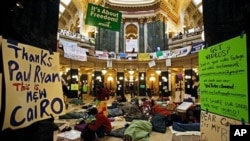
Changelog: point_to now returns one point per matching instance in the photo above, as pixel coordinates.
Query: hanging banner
(103, 17)
(72, 51)
(109, 63)
(75, 53)
(33, 89)
(168, 62)
(131, 45)
(112, 55)
(122, 55)
(143, 56)
(104, 55)
(151, 63)
(159, 53)
(197, 47)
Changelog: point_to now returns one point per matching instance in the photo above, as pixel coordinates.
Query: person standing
(102, 94)
(132, 90)
(65, 90)
(149, 93)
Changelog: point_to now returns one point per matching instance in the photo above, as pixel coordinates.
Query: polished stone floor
(154, 136)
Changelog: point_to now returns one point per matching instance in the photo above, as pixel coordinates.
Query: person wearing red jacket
(101, 125)
(102, 93)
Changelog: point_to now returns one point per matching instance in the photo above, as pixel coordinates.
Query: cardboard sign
(32, 83)
(223, 79)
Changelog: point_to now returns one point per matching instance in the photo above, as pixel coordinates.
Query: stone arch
(131, 31)
(192, 24)
(186, 19)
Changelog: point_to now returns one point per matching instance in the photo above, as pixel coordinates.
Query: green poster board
(74, 87)
(223, 79)
(103, 17)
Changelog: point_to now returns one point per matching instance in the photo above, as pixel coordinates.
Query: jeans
(186, 127)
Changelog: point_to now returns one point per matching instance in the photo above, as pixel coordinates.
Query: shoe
(67, 128)
(127, 138)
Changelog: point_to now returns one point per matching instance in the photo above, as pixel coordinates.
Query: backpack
(159, 123)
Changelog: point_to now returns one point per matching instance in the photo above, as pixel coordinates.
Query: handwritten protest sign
(215, 127)
(33, 85)
(223, 79)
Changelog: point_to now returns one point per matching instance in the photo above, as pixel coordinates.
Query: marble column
(141, 35)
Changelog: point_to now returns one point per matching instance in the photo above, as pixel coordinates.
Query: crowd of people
(135, 108)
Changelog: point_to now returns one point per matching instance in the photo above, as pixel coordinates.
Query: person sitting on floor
(101, 125)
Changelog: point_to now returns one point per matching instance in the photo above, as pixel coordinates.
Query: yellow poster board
(32, 84)
(143, 56)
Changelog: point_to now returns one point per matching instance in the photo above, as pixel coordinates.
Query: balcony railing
(185, 39)
(176, 44)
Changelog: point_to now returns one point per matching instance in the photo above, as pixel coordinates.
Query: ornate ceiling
(182, 13)
(131, 2)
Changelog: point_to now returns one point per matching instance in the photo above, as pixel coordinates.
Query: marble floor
(154, 136)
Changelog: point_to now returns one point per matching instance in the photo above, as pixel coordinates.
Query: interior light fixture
(131, 72)
(99, 78)
(158, 72)
(104, 71)
(67, 69)
(142, 78)
(164, 79)
(131, 77)
(110, 78)
(152, 78)
(19, 5)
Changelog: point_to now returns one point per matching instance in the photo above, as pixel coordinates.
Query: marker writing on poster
(40, 108)
(42, 59)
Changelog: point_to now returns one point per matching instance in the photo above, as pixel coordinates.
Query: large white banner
(33, 89)
(131, 45)
(104, 55)
(72, 51)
